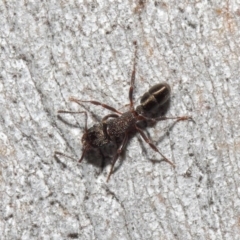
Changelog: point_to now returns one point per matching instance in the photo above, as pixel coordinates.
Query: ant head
(95, 136)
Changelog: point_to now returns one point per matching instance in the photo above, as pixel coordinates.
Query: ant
(119, 125)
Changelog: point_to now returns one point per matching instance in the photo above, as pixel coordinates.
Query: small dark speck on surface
(73, 235)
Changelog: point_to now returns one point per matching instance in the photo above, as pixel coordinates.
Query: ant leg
(83, 153)
(147, 140)
(86, 116)
(123, 144)
(133, 78)
(62, 154)
(154, 120)
(183, 118)
(104, 122)
(109, 116)
(86, 147)
(72, 99)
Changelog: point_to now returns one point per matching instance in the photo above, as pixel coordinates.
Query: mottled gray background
(51, 50)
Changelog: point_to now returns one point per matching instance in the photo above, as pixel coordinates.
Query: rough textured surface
(57, 49)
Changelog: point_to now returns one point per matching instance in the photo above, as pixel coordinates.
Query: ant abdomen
(155, 97)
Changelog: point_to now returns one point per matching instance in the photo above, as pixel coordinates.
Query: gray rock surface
(52, 50)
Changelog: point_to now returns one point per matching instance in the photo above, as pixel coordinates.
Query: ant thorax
(119, 126)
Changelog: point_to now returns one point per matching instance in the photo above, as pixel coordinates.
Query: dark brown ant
(119, 125)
